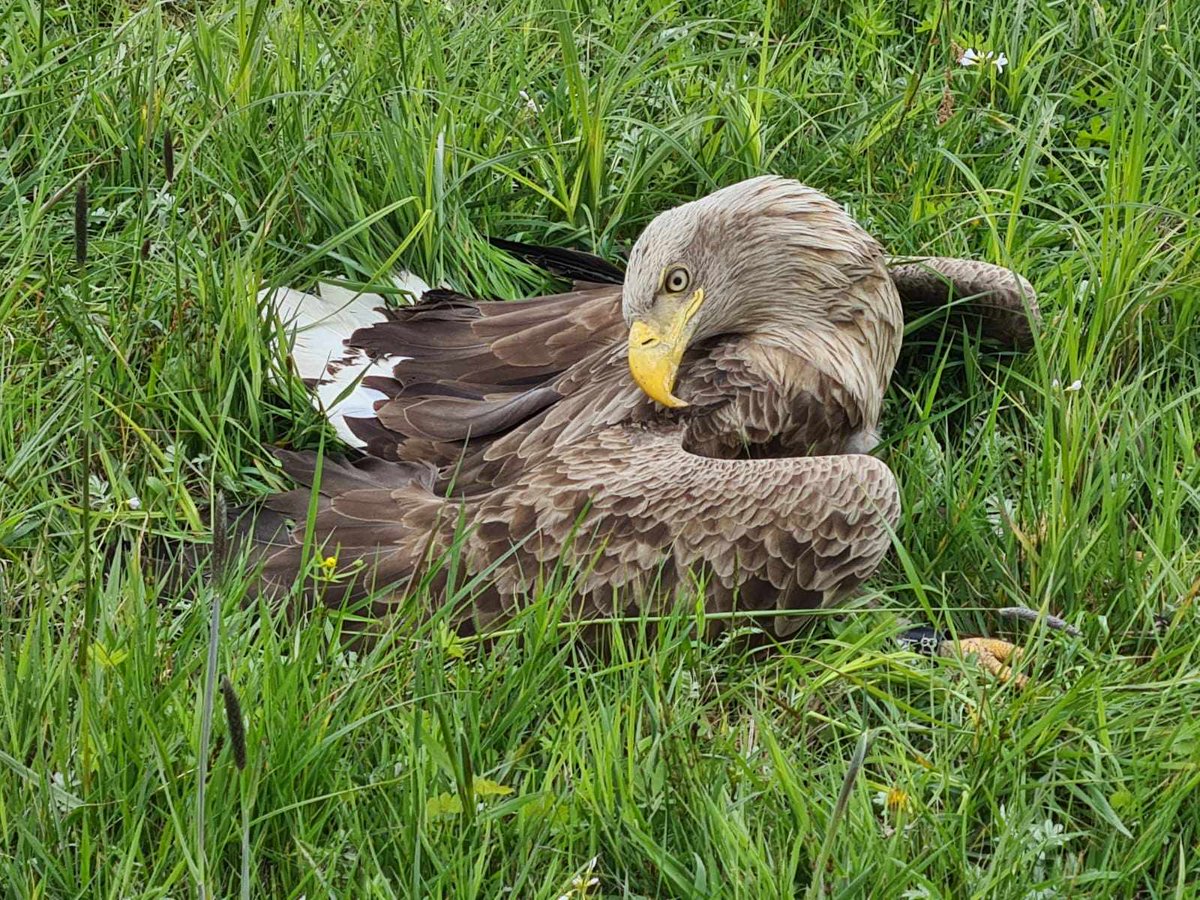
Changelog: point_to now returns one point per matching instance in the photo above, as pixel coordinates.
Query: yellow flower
(898, 800)
(894, 800)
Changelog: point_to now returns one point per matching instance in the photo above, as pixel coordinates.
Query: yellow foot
(994, 655)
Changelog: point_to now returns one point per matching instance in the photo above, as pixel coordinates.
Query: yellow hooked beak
(655, 352)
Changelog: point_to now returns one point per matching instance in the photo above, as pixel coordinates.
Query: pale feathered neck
(858, 352)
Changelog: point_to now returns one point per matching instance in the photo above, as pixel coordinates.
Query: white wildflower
(583, 882)
(530, 103)
(990, 58)
(134, 502)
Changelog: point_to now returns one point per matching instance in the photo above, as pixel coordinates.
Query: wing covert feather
(808, 529)
(627, 505)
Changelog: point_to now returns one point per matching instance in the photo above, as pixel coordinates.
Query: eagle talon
(993, 653)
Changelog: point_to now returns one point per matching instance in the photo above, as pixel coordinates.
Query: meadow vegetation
(312, 139)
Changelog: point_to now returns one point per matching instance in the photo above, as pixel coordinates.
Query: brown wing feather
(635, 512)
(1001, 301)
(477, 369)
(746, 400)
(494, 343)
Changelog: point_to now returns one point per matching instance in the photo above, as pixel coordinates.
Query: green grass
(315, 138)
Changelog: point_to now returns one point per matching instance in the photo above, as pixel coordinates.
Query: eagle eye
(677, 280)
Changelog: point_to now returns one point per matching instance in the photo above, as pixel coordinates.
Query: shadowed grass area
(341, 139)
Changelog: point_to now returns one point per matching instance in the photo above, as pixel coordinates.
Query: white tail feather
(316, 327)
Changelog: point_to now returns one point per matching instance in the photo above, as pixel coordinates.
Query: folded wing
(627, 507)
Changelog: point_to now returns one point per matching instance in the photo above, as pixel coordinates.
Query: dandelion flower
(894, 799)
(898, 800)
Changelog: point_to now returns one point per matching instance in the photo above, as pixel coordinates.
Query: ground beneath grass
(227, 145)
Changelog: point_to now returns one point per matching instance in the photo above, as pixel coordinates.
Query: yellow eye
(677, 280)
